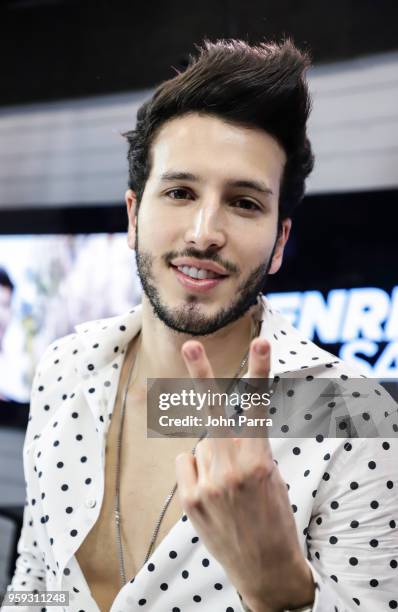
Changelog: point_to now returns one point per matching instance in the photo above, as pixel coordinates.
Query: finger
(186, 476)
(204, 457)
(259, 359)
(258, 386)
(200, 370)
(196, 360)
(215, 472)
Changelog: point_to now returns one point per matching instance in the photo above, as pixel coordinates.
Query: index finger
(213, 411)
(255, 427)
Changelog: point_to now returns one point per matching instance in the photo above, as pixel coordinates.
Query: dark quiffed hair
(261, 87)
(5, 280)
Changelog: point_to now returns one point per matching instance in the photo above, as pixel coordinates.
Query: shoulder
(327, 382)
(292, 352)
(64, 354)
(55, 367)
(60, 370)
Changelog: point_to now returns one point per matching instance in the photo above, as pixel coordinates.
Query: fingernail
(261, 348)
(192, 352)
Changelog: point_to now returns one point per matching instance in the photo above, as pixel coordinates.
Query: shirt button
(90, 503)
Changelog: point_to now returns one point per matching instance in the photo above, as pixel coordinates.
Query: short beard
(188, 319)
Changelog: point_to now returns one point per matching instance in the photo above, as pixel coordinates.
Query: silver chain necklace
(173, 490)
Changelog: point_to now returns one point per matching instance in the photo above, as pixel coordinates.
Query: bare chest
(147, 477)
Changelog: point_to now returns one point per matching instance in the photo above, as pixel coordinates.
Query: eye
(245, 204)
(179, 193)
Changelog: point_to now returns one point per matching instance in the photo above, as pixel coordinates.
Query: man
(218, 162)
(11, 384)
(6, 290)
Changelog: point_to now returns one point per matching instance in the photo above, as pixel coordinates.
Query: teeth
(205, 274)
(198, 273)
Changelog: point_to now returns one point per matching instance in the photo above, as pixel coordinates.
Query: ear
(131, 203)
(280, 246)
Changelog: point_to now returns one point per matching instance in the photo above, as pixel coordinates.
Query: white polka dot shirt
(343, 490)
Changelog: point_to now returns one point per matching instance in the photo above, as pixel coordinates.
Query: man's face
(211, 198)
(5, 310)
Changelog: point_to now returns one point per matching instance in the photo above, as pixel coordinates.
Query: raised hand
(238, 502)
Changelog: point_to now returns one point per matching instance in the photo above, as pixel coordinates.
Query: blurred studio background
(72, 76)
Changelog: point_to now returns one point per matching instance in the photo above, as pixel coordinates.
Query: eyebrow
(244, 183)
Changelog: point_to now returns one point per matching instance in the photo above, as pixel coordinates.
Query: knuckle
(191, 502)
(210, 491)
(234, 480)
(261, 471)
(231, 480)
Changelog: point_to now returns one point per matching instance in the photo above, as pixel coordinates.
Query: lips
(198, 273)
(197, 284)
(192, 262)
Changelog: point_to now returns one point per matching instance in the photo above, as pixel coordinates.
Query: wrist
(294, 595)
(306, 608)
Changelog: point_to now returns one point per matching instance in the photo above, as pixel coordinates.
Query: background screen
(59, 281)
(338, 283)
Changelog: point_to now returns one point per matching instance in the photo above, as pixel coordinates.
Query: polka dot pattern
(342, 492)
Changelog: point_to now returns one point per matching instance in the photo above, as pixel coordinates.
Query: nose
(205, 228)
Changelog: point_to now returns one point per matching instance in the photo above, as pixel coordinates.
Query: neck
(159, 347)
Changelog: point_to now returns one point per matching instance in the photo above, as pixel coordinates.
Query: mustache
(208, 254)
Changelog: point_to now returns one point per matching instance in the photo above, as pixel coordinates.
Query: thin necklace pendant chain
(170, 496)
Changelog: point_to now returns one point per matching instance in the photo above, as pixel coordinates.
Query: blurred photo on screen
(49, 284)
